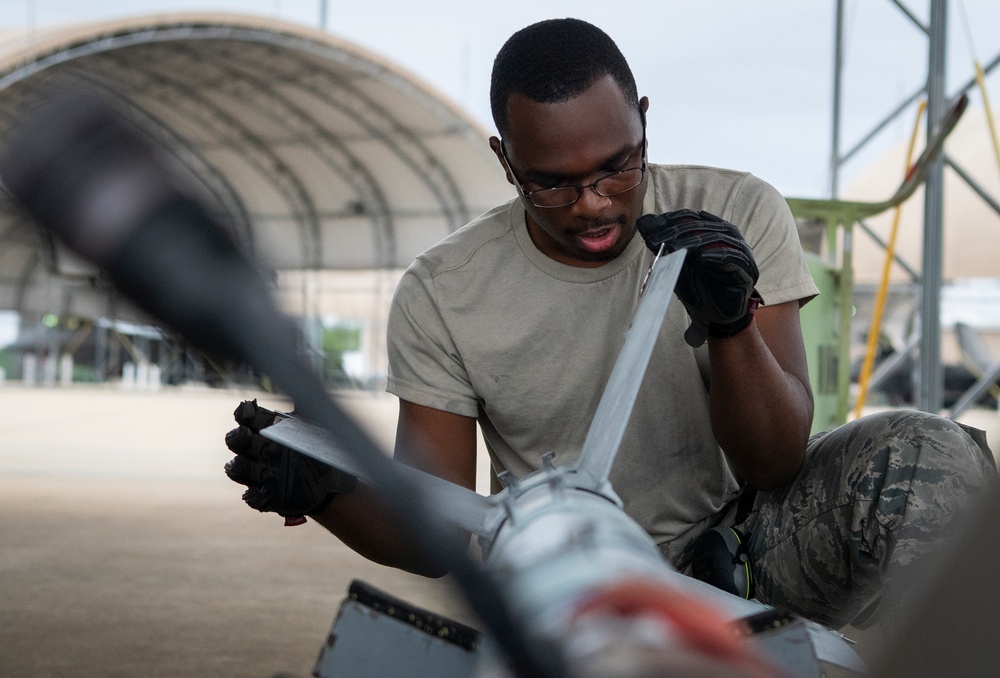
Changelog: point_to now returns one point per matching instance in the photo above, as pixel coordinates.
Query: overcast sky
(733, 83)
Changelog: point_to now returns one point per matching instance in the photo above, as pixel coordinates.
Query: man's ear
(495, 145)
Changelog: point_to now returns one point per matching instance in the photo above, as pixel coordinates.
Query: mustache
(597, 225)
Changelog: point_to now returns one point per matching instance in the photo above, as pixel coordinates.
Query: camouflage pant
(872, 502)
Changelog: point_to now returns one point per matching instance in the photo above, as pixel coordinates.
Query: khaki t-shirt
(484, 325)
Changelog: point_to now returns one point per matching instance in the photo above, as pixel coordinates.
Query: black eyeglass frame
(580, 189)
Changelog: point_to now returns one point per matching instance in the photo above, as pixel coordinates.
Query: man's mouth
(599, 239)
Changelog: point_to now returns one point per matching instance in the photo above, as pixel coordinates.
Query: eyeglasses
(607, 186)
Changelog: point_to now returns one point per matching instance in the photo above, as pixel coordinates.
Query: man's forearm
(361, 521)
(761, 414)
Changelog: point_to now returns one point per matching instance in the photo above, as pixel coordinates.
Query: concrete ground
(125, 551)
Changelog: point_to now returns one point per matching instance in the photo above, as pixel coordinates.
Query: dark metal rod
(882, 125)
(838, 74)
(969, 84)
(885, 246)
(930, 379)
(911, 16)
(983, 384)
(973, 184)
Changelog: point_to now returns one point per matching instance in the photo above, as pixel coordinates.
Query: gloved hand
(717, 280)
(279, 479)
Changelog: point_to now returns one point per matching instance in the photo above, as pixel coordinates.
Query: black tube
(90, 176)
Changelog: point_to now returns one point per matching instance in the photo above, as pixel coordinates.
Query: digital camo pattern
(874, 502)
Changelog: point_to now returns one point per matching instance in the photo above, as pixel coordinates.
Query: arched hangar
(320, 155)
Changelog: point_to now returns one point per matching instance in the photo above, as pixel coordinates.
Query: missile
(567, 580)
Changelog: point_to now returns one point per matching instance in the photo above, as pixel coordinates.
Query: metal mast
(928, 377)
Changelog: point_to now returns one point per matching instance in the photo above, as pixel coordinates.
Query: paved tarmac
(125, 551)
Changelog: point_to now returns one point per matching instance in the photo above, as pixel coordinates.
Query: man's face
(576, 143)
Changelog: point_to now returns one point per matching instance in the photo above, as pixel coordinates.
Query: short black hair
(553, 61)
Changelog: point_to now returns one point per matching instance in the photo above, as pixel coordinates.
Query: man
(514, 323)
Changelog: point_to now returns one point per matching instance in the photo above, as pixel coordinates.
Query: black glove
(717, 280)
(279, 479)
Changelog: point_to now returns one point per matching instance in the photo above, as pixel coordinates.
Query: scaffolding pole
(929, 376)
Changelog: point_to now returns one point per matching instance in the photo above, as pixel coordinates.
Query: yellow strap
(981, 80)
(876, 328)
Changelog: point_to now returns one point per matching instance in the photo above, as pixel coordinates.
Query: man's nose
(590, 201)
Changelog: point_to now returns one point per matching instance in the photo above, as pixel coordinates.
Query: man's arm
(431, 440)
(760, 400)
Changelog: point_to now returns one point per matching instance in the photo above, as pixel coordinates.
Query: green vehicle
(826, 228)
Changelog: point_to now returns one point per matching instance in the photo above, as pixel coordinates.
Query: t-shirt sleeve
(769, 227)
(425, 366)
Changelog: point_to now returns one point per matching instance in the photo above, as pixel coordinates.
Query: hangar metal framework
(317, 154)
(927, 338)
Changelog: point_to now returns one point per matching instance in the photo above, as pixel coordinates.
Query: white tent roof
(321, 155)
(971, 227)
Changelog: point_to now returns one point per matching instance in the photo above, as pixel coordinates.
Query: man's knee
(904, 451)
(919, 475)
(877, 490)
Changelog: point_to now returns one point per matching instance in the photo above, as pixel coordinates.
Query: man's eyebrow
(541, 176)
(622, 155)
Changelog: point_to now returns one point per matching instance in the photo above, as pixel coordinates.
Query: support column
(838, 71)
(929, 378)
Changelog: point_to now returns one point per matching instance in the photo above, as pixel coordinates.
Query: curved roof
(319, 154)
(971, 235)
